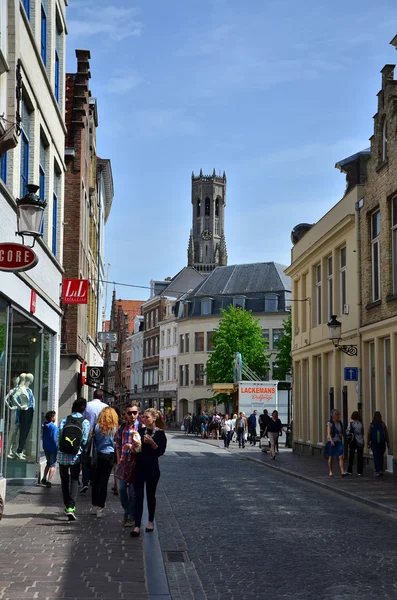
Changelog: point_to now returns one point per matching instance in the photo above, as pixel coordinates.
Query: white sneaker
(20, 456)
(10, 454)
(99, 513)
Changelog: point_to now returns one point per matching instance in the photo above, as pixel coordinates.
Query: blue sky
(274, 92)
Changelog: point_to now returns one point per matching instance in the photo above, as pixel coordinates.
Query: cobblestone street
(247, 532)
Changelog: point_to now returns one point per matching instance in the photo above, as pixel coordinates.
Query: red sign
(33, 299)
(1, 443)
(75, 291)
(16, 257)
(83, 373)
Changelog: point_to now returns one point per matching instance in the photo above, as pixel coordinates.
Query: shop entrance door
(23, 382)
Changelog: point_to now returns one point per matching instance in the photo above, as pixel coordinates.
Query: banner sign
(75, 291)
(95, 375)
(33, 301)
(16, 257)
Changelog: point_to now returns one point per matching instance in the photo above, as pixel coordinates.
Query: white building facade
(32, 140)
(168, 369)
(136, 368)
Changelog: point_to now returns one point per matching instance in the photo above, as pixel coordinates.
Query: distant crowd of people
(96, 439)
(237, 428)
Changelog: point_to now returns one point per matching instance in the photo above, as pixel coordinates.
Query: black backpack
(71, 435)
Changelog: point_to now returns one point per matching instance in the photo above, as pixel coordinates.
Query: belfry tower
(207, 244)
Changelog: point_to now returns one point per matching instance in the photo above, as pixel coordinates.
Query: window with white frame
(146, 377)
(162, 339)
(384, 140)
(181, 375)
(394, 241)
(375, 255)
(342, 279)
(174, 368)
(271, 303)
(151, 347)
(330, 288)
(155, 377)
(168, 337)
(162, 369)
(181, 344)
(175, 335)
(168, 372)
(187, 342)
(156, 345)
(318, 294)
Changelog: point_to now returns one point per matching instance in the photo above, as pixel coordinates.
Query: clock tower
(207, 244)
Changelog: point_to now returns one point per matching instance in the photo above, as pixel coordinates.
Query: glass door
(23, 383)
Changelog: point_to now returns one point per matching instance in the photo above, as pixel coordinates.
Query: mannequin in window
(25, 416)
(13, 406)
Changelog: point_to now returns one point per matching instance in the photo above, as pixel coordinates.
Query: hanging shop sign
(75, 291)
(83, 373)
(16, 257)
(95, 375)
(33, 301)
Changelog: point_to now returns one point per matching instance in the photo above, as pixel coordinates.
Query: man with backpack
(73, 435)
(93, 409)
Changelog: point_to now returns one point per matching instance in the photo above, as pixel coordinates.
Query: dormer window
(239, 301)
(271, 303)
(384, 140)
(206, 306)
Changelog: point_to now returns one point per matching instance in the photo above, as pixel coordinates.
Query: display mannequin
(27, 402)
(13, 416)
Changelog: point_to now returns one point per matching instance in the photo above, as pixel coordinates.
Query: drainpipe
(359, 204)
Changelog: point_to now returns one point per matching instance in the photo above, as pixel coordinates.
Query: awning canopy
(223, 388)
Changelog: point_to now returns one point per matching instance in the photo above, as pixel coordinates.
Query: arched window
(207, 207)
(384, 140)
(217, 207)
(198, 207)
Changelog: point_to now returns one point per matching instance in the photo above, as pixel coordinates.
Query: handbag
(126, 470)
(89, 457)
(350, 437)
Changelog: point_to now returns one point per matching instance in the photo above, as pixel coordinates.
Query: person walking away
(154, 443)
(124, 445)
(104, 433)
(204, 424)
(50, 434)
(186, 424)
(378, 439)
(241, 429)
(355, 440)
(264, 421)
(252, 424)
(72, 437)
(91, 413)
(273, 430)
(194, 425)
(334, 446)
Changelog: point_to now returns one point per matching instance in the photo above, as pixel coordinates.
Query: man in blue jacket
(50, 434)
(252, 423)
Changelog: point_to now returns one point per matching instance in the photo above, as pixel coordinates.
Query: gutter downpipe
(358, 206)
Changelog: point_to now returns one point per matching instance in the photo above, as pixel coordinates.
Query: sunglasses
(132, 412)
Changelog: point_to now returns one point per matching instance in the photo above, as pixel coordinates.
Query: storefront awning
(222, 388)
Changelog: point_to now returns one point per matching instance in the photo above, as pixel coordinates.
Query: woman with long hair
(334, 447)
(355, 440)
(104, 432)
(378, 439)
(154, 443)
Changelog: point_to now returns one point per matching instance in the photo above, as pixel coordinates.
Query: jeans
(100, 479)
(378, 450)
(360, 460)
(253, 435)
(241, 437)
(227, 438)
(69, 483)
(151, 478)
(25, 423)
(127, 498)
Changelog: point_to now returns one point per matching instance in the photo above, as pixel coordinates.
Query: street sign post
(106, 337)
(94, 375)
(351, 373)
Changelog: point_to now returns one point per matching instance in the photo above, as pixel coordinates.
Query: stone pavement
(44, 556)
(377, 492)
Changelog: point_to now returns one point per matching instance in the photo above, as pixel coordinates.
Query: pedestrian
(91, 413)
(214, 426)
(252, 424)
(334, 447)
(73, 435)
(273, 430)
(241, 429)
(204, 424)
(186, 424)
(378, 439)
(104, 433)
(194, 425)
(154, 443)
(120, 416)
(227, 430)
(50, 434)
(124, 446)
(264, 421)
(355, 440)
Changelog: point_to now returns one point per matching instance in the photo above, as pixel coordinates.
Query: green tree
(283, 362)
(238, 331)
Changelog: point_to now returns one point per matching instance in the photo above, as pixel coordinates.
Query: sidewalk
(377, 492)
(44, 556)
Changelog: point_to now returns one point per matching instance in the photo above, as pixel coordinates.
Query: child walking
(50, 433)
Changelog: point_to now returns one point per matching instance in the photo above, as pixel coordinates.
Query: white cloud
(88, 19)
(165, 122)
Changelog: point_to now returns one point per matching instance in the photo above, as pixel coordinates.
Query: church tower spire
(207, 243)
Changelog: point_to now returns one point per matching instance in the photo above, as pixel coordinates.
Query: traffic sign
(351, 373)
(107, 336)
(95, 375)
(16, 257)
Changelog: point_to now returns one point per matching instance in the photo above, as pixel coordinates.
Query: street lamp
(335, 335)
(30, 214)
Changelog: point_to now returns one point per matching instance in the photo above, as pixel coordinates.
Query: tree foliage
(283, 362)
(238, 331)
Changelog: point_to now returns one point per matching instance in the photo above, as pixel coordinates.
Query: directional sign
(107, 336)
(351, 373)
(95, 375)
